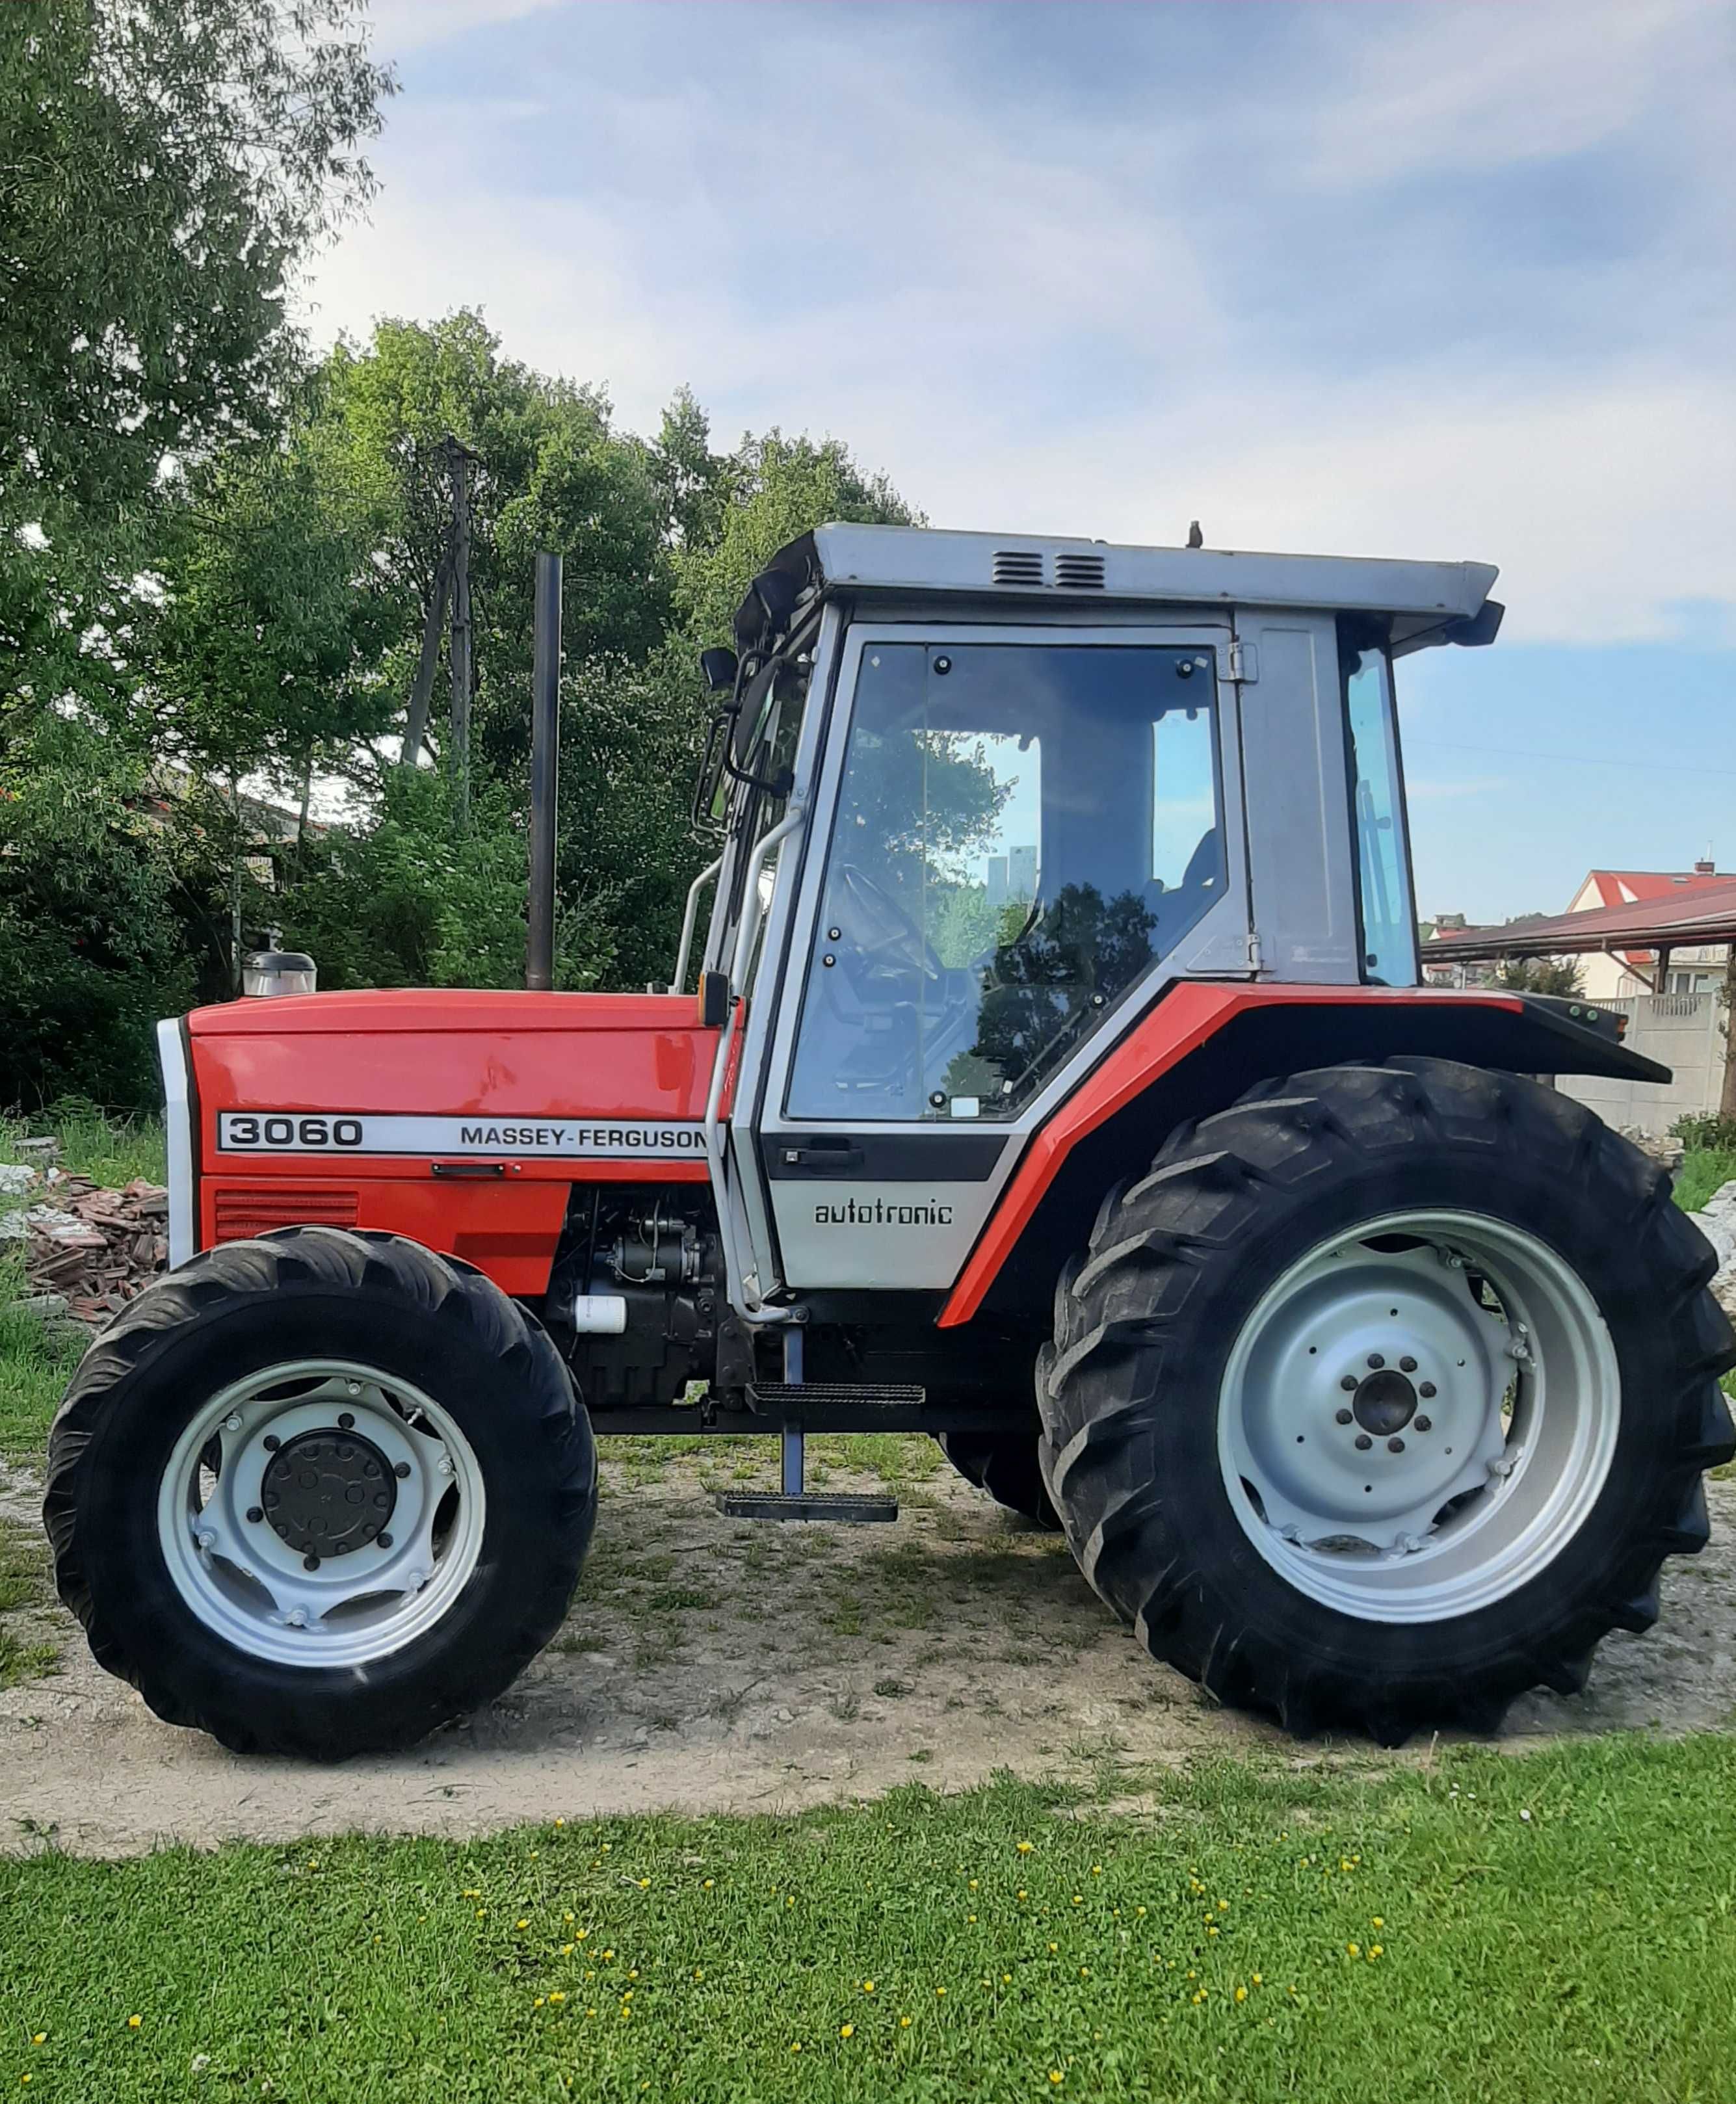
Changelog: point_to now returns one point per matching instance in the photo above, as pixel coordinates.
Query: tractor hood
(463, 1117)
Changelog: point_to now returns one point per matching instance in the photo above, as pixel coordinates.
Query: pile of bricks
(88, 1250)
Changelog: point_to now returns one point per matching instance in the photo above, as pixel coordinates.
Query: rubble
(1662, 1147)
(90, 1250)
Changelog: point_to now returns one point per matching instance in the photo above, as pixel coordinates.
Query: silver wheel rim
(1419, 1415)
(260, 1566)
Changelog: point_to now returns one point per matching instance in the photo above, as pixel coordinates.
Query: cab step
(855, 1509)
(790, 1398)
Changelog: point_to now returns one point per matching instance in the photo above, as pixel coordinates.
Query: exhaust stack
(545, 775)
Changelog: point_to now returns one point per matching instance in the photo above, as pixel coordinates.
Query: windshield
(771, 712)
(1021, 831)
(1388, 927)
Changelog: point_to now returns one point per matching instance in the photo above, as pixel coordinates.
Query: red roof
(1632, 887)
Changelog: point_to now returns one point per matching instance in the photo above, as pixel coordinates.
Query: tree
(165, 164)
(1558, 975)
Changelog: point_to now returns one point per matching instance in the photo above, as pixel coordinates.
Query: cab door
(1017, 835)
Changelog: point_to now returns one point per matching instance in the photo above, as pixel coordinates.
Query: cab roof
(1423, 603)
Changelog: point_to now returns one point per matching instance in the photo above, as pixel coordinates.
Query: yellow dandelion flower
(847, 2031)
(1376, 1950)
(1023, 1894)
(559, 1996)
(607, 1846)
(969, 1917)
(560, 1822)
(973, 1885)
(1258, 1980)
(1007, 1979)
(904, 2023)
(521, 1923)
(1085, 1972)
(709, 1882)
(1096, 1869)
(1198, 1997)
(133, 2022)
(582, 1933)
(1139, 1910)
(607, 1955)
(698, 1972)
(1223, 1906)
(566, 1950)
(632, 1972)
(1054, 1946)
(1056, 2075)
(1079, 1900)
(482, 1913)
(40, 2039)
(569, 1915)
(1241, 1994)
(1355, 1950)
(1025, 1848)
(867, 1986)
(940, 1990)
(1212, 1930)
(644, 1885)
(1378, 1922)
(538, 2002)
(796, 2047)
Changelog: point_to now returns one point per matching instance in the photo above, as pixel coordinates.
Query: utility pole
(421, 690)
(458, 459)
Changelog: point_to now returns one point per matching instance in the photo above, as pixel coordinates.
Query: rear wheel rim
(321, 1512)
(1418, 1416)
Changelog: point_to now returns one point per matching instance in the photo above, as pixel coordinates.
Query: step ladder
(794, 1500)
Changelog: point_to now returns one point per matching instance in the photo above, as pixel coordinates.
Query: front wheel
(1382, 1398)
(319, 1493)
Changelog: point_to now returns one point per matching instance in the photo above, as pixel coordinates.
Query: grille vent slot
(1018, 566)
(1079, 572)
(241, 1213)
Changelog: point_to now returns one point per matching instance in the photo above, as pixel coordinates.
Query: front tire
(319, 1493)
(1006, 1465)
(1235, 1434)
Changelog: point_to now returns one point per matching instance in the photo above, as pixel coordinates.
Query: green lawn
(1559, 1926)
(1701, 1174)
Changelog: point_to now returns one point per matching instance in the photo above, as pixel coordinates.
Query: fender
(1201, 1047)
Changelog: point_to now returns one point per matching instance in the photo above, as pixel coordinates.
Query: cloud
(1386, 281)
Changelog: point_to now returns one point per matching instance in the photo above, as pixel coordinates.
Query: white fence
(1684, 1032)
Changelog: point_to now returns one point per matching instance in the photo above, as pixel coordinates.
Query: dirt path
(710, 1665)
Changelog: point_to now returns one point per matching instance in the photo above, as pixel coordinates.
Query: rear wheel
(1383, 1397)
(1005, 1464)
(320, 1493)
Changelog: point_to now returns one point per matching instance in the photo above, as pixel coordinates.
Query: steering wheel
(882, 934)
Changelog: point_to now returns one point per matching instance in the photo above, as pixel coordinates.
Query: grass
(1559, 1925)
(1701, 1174)
(108, 1149)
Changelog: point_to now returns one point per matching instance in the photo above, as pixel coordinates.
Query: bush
(1706, 1131)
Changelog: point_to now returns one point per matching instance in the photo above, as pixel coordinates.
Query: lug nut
(345, 1420)
(1364, 1443)
(1395, 1445)
(1375, 1359)
(403, 1469)
(1348, 1382)
(309, 1562)
(383, 1541)
(255, 1514)
(271, 1442)
(1426, 1390)
(1421, 1423)
(1343, 1417)
(1407, 1366)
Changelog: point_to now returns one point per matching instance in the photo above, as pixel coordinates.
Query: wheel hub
(328, 1491)
(1385, 1404)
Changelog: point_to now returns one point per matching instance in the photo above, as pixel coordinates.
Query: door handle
(835, 1158)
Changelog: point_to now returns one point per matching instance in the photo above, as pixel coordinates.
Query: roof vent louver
(1018, 566)
(1079, 572)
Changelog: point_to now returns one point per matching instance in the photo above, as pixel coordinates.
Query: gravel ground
(711, 1666)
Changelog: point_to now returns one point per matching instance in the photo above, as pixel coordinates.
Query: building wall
(1685, 1033)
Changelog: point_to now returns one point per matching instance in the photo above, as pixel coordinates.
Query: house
(1619, 975)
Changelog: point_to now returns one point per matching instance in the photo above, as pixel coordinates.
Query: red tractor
(1057, 1081)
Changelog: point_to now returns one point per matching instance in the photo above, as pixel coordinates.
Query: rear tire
(1004, 1463)
(451, 1483)
(1196, 1354)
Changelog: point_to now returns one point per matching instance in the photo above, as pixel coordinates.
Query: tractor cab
(982, 800)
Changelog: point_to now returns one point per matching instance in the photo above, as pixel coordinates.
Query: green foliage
(93, 949)
(408, 899)
(165, 167)
(1558, 975)
(1707, 1129)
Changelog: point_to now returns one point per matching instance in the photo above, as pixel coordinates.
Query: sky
(1380, 277)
